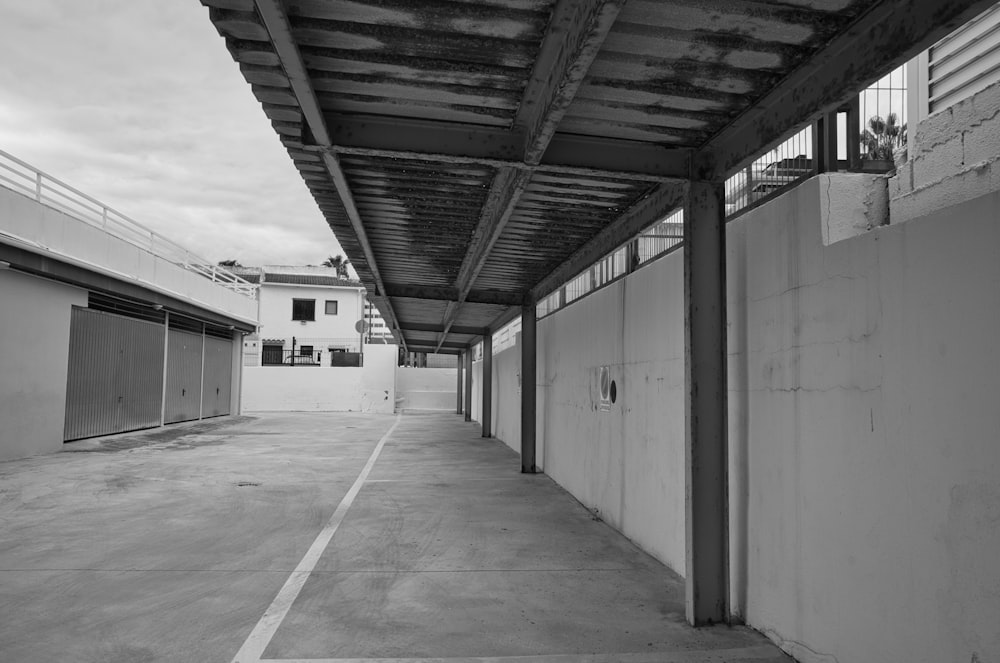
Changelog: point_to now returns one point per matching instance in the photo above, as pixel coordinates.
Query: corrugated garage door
(218, 376)
(115, 379)
(183, 398)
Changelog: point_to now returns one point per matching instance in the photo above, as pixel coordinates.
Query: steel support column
(528, 404)
(460, 360)
(706, 392)
(486, 411)
(468, 384)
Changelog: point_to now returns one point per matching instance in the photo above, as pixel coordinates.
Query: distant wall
(426, 388)
(34, 354)
(506, 398)
(324, 388)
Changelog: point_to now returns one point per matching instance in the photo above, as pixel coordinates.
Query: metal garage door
(115, 379)
(183, 397)
(218, 376)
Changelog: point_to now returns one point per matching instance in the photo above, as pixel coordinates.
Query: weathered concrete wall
(626, 463)
(34, 355)
(371, 388)
(867, 450)
(954, 156)
(506, 398)
(426, 388)
(32, 226)
(863, 422)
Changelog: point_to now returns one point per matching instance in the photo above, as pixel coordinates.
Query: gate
(218, 376)
(183, 398)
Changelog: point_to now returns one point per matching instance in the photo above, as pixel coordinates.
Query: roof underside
(471, 154)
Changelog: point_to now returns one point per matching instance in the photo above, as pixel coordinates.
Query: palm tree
(882, 137)
(339, 263)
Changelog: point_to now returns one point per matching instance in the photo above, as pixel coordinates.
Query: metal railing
(27, 180)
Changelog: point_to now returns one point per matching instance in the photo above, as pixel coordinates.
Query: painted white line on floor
(762, 652)
(261, 635)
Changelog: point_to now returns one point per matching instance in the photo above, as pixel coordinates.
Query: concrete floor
(280, 537)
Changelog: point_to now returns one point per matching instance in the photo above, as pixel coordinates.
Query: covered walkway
(318, 537)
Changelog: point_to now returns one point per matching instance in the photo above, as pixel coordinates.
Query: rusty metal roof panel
(676, 76)
(469, 154)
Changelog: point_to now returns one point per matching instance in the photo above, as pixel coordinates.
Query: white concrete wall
(627, 463)
(426, 388)
(29, 225)
(871, 491)
(506, 399)
(34, 355)
(371, 388)
(865, 463)
(276, 314)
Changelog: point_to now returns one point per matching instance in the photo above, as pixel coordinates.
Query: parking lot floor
(326, 537)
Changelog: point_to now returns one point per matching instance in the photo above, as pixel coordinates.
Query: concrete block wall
(954, 155)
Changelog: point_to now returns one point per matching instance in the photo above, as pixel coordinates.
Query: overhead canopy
(472, 155)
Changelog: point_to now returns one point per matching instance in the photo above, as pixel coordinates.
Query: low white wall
(426, 388)
(371, 388)
(34, 227)
(34, 355)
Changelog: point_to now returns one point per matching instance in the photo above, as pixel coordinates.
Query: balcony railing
(25, 179)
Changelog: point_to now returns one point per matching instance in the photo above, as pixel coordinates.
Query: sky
(138, 103)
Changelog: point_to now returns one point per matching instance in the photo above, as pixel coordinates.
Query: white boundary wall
(371, 388)
(864, 452)
(426, 388)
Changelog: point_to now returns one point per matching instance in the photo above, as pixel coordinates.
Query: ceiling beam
(436, 328)
(272, 12)
(439, 293)
(890, 33)
(505, 192)
(646, 212)
(575, 33)
(429, 349)
(496, 147)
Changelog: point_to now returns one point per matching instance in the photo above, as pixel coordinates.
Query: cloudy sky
(139, 104)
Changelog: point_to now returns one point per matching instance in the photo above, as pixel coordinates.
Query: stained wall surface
(34, 354)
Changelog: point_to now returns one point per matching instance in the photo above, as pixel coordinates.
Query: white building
(308, 315)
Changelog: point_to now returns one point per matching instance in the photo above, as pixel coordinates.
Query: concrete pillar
(458, 390)
(706, 459)
(528, 404)
(468, 384)
(487, 409)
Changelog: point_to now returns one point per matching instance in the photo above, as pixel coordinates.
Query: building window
(331, 307)
(303, 309)
(305, 351)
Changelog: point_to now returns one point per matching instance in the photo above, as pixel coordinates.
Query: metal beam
(436, 328)
(890, 33)
(706, 393)
(496, 147)
(487, 408)
(574, 36)
(468, 384)
(272, 12)
(451, 294)
(528, 404)
(505, 192)
(646, 212)
(458, 389)
(430, 349)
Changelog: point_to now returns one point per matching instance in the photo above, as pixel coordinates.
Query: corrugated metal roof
(468, 152)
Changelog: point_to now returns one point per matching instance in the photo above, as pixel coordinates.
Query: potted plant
(878, 142)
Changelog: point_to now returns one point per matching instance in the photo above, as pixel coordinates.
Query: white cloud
(139, 104)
